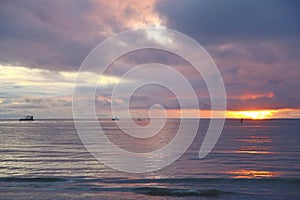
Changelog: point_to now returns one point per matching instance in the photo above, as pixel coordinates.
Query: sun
(253, 114)
(257, 114)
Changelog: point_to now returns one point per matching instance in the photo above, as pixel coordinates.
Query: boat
(115, 119)
(27, 118)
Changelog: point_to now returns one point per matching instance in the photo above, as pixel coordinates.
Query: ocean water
(256, 159)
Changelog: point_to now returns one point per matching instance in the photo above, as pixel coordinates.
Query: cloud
(218, 20)
(254, 44)
(40, 107)
(42, 92)
(58, 35)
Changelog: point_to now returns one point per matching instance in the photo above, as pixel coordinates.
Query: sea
(256, 159)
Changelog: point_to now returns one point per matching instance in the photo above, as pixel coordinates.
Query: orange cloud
(119, 15)
(254, 96)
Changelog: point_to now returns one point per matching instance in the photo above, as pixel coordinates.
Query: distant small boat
(139, 119)
(115, 119)
(27, 118)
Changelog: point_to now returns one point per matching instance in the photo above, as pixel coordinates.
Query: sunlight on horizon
(264, 114)
(252, 114)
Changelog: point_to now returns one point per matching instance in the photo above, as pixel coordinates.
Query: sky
(255, 45)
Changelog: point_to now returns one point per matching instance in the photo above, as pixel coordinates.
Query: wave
(222, 188)
(202, 180)
(176, 192)
(37, 179)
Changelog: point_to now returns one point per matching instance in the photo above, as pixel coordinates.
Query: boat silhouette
(27, 118)
(115, 119)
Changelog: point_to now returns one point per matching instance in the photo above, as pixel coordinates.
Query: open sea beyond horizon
(256, 159)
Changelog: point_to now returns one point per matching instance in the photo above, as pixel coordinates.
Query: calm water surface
(45, 159)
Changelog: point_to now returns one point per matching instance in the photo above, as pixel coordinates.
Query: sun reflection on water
(246, 173)
(252, 152)
(255, 144)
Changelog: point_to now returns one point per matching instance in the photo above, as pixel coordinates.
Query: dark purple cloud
(54, 35)
(58, 35)
(213, 20)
